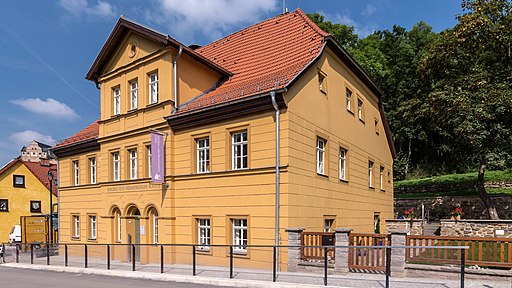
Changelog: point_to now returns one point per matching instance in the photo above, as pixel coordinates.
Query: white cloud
(361, 29)
(368, 10)
(23, 138)
(49, 107)
(83, 7)
(210, 18)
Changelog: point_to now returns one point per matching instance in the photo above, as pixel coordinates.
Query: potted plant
(410, 214)
(456, 213)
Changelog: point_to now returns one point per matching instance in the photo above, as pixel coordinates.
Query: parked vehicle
(15, 235)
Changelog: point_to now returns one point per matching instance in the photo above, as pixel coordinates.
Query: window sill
(75, 238)
(344, 181)
(92, 240)
(322, 175)
(115, 116)
(382, 190)
(351, 112)
(362, 121)
(323, 91)
(371, 188)
(241, 253)
(203, 250)
(152, 104)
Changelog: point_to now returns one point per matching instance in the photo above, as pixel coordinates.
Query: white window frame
(76, 226)
(133, 163)
(155, 226)
(360, 109)
(117, 215)
(92, 165)
(381, 177)
(153, 88)
(348, 93)
(93, 226)
(343, 164)
(116, 163)
(134, 94)
(240, 235)
(320, 156)
(76, 173)
(328, 222)
(204, 233)
(237, 159)
(117, 100)
(370, 174)
(203, 155)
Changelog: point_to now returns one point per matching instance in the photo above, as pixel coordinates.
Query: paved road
(22, 278)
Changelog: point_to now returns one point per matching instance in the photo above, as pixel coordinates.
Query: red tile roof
(40, 171)
(262, 57)
(88, 133)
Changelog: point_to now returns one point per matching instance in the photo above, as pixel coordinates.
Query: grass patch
(471, 192)
(452, 179)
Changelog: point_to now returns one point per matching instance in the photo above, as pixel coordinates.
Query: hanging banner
(157, 157)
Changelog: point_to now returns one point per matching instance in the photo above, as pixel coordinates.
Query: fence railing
(59, 254)
(492, 252)
(311, 245)
(365, 258)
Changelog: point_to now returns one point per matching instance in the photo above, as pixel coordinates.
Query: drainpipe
(175, 75)
(276, 107)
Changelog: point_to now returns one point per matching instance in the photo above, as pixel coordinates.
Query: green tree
(342, 33)
(470, 71)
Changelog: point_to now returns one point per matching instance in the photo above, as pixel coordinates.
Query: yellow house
(222, 110)
(24, 191)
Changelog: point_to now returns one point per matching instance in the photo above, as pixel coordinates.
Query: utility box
(34, 229)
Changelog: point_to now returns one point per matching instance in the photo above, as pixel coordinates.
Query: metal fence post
(274, 264)
(31, 253)
(230, 262)
(3, 252)
(161, 258)
(66, 255)
(47, 253)
(108, 256)
(325, 266)
(193, 260)
(85, 252)
(133, 257)
(388, 265)
(17, 254)
(462, 266)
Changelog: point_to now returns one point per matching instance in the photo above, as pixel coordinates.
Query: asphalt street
(23, 278)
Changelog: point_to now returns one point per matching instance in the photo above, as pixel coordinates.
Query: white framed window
(240, 235)
(133, 163)
(134, 93)
(154, 223)
(203, 155)
(92, 166)
(322, 82)
(349, 99)
(117, 101)
(76, 226)
(203, 233)
(153, 88)
(343, 164)
(76, 173)
(360, 109)
(381, 178)
(115, 166)
(148, 150)
(370, 174)
(239, 150)
(320, 156)
(93, 228)
(117, 224)
(328, 222)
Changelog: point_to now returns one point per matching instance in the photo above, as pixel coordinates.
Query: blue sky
(47, 47)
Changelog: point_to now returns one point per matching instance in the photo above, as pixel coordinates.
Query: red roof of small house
(262, 57)
(40, 171)
(88, 133)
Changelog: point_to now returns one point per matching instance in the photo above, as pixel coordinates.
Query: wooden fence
(368, 259)
(316, 239)
(492, 252)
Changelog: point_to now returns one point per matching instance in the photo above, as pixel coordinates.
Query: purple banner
(157, 157)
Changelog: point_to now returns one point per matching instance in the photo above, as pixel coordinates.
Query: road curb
(163, 277)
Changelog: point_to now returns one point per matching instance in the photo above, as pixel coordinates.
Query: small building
(37, 151)
(218, 110)
(24, 191)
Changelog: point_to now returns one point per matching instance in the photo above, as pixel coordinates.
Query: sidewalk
(219, 276)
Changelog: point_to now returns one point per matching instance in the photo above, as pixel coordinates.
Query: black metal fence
(101, 254)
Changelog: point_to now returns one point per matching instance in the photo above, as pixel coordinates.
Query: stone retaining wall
(476, 228)
(440, 207)
(415, 227)
(450, 187)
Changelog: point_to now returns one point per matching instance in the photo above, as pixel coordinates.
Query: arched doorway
(133, 231)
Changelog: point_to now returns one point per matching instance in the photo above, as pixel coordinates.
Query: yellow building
(220, 108)
(24, 191)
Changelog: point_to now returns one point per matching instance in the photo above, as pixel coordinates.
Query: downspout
(276, 107)
(175, 76)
